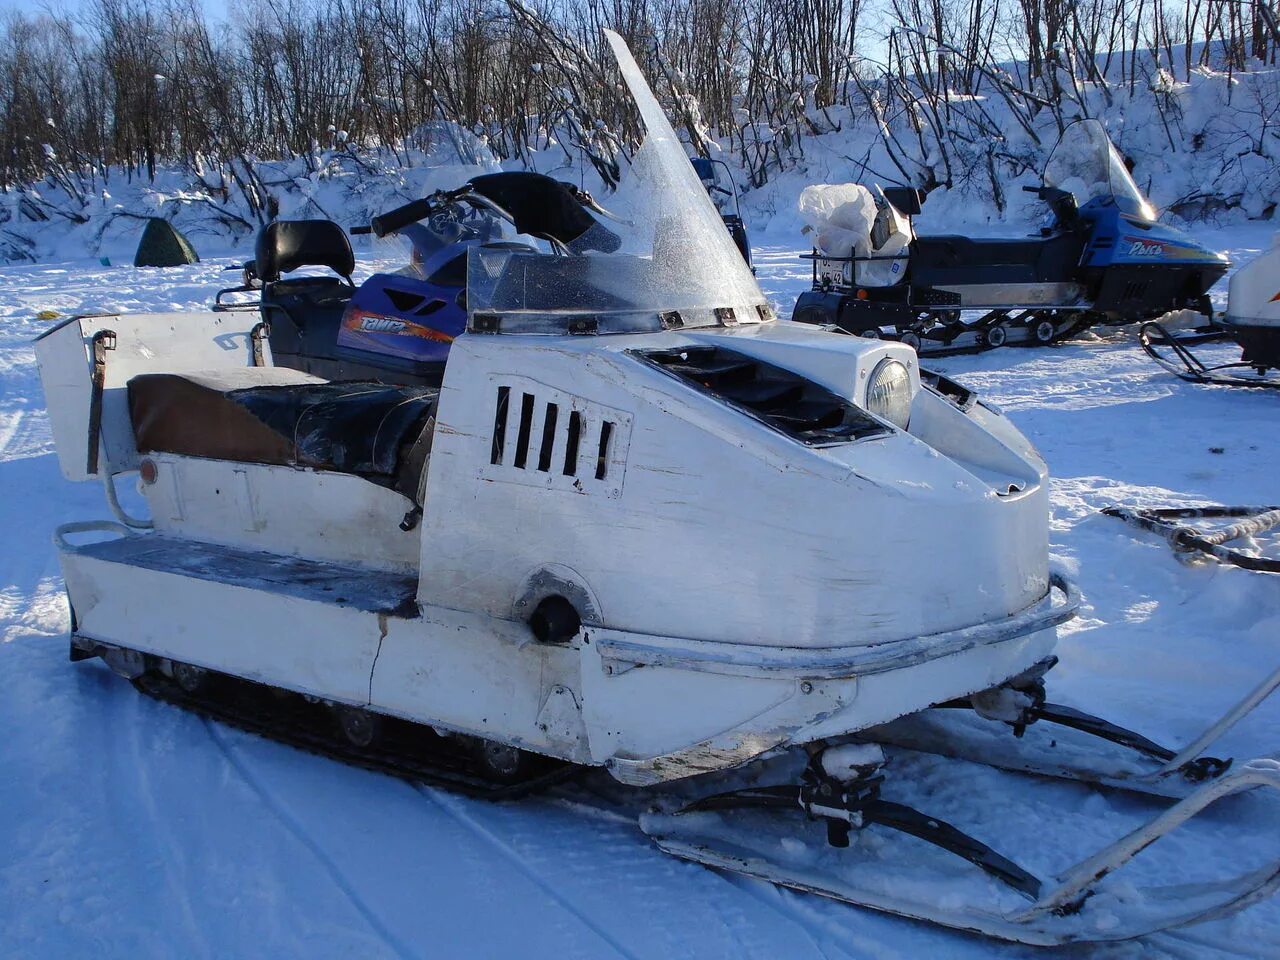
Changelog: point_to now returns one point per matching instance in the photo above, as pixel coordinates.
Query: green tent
(163, 246)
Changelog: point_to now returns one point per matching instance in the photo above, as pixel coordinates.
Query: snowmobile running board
(1070, 907)
(1184, 539)
(1155, 338)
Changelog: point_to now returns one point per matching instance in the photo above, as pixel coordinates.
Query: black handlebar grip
(360, 231)
(1026, 189)
(393, 220)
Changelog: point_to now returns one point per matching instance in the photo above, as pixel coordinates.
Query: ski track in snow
(131, 829)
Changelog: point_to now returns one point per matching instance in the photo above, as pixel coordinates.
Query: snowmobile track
(290, 720)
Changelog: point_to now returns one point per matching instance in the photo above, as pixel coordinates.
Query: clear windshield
(677, 264)
(1086, 164)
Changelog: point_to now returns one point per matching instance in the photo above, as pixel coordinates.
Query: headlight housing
(889, 392)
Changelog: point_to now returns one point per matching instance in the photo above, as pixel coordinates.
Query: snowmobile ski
(1188, 541)
(1064, 743)
(1174, 354)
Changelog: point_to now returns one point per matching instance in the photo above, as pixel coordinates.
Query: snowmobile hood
(676, 265)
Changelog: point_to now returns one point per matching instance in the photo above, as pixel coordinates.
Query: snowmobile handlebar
(402, 216)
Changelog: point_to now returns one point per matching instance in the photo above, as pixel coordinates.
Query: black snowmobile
(397, 327)
(1104, 260)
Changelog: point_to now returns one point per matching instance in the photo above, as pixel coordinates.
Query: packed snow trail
(131, 829)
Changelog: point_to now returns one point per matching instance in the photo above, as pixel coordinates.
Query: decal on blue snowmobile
(1105, 259)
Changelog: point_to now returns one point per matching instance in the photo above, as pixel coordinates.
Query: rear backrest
(286, 245)
(129, 345)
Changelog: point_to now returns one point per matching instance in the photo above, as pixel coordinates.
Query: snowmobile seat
(304, 312)
(275, 415)
(286, 245)
(946, 259)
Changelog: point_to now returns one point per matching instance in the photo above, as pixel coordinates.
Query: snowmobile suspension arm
(856, 805)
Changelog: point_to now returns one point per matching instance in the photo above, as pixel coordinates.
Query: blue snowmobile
(397, 327)
(1103, 260)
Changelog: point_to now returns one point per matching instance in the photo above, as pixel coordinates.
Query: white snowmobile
(1252, 320)
(643, 525)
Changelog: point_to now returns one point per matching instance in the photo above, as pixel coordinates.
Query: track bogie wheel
(360, 727)
(190, 678)
(503, 763)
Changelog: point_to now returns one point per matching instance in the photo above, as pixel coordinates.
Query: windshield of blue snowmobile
(676, 256)
(1087, 165)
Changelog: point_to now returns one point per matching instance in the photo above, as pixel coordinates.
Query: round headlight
(889, 392)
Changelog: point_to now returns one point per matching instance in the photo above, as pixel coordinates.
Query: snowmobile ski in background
(397, 327)
(390, 562)
(708, 171)
(1190, 542)
(1104, 260)
(1252, 320)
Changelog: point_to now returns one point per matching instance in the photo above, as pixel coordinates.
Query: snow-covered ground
(131, 829)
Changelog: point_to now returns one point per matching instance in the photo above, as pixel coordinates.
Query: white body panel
(706, 498)
(293, 511)
(1253, 298)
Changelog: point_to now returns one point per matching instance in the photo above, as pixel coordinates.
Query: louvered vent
(550, 438)
(785, 401)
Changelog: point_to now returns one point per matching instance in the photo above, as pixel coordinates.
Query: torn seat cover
(278, 416)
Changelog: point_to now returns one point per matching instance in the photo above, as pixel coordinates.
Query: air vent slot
(602, 455)
(500, 425)
(784, 400)
(572, 438)
(526, 425)
(547, 437)
(402, 299)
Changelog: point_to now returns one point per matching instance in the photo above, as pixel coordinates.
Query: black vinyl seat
(275, 415)
(942, 259)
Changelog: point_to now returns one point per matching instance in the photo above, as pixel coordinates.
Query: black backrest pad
(286, 245)
(358, 427)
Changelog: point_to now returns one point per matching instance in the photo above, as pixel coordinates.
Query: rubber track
(405, 749)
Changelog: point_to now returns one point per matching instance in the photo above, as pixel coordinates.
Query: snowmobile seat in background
(304, 312)
(275, 415)
(942, 260)
(286, 245)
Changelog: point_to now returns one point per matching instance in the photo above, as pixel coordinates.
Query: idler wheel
(1044, 331)
(997, 335)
